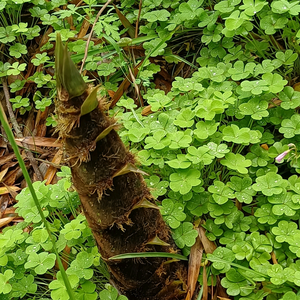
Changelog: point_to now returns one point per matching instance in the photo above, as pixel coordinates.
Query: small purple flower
(281, 156)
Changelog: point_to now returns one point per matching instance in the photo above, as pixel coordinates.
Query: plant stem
(91, 33)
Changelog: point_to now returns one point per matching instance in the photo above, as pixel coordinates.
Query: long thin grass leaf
(148, 254)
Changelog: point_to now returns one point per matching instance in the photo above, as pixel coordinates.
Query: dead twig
(18, 130)
(138, 19)
(91, 33)
(136, 87)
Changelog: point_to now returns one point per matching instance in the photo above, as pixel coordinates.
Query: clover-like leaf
(269, 184)
(285, 231)
(183, 180)
(158, 188)
(40, 59)
(278, 274)
(6, 287)
(256, 87)
(271, 22)
(289, 97)
(185, 235)
(221, 193)
(158, 141)
(58, 287)
(205, 129)
(198, 205)
(208, 108)
(290, 127)
(80, 266)
(243, 189)
(255, 107)
(137, 134)
(17, 50)
(235, 20)
(7, 35)
(181, 162)
(236, 284)
(155, 47)
(274, 81)
(180, 139)
(40, 262)
(87, 291)
(10, 237)
(239, 71)
(213, 73)
(283, 6)
(105, 69)
(157, 15)
(294, 242)
(186, 84)
(231, 238)
(218, 151)
(236, 162)
(286, 58)
(264, 214)
(173, 213)
(252, 7)
(197, 155)
(110, 293)
(238, 135)
(259, 242)
(258, 156)
(164, 122)
(222, 258)
(24, 286)
(185, 118)
(283, 204)
(73, 230)
(290, 296)
(213, 230)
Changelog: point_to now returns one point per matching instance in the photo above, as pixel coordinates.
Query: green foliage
(224, 141)
(221, 144)
(26, 257)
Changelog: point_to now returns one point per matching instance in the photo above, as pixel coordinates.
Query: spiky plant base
(116, 201)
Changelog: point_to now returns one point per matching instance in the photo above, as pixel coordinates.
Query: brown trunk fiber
(116, 201)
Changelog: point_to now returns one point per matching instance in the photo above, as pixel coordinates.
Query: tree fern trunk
(116, 201)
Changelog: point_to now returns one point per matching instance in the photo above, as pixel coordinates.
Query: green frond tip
(90, 103)
(67, 75)
(106, 131)
(149, 254)
(157, 241)
(145, 204)
(129, 168)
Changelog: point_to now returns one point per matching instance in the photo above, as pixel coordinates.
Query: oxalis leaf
(290, 127)
(185, 235)
(173, 213)
(242, 186)
(243, 135)
(183, 180)
(110, 293)
(256, 108)
(269, 184)
(221, 193)
(236, 284)
(236, 162)
(5, 287)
